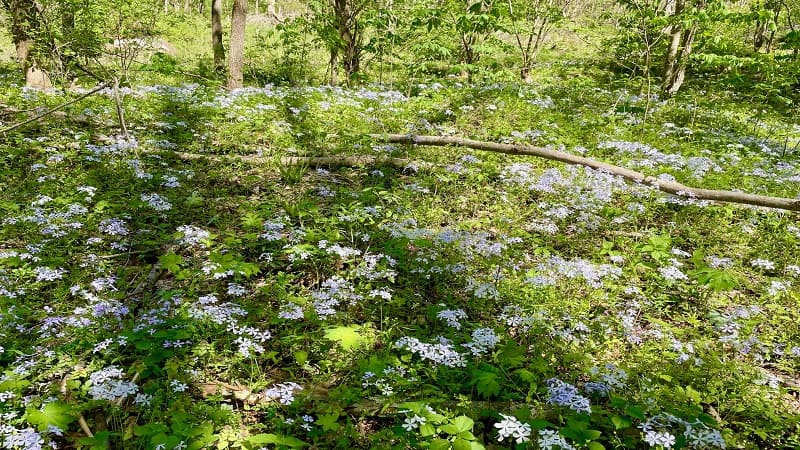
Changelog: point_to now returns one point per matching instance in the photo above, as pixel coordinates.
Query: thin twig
(120, 111)
(81, 420)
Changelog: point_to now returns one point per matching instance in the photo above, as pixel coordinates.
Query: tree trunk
(348, 28)
(764, 35)
(236, 63)
(680, 49)
(333, 62)
(216, 35)
(683, 62)
(24, 21)
(675, 31)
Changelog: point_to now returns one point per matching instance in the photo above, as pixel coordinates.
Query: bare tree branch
(670, 187)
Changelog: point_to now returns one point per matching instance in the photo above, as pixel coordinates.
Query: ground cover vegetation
(203, 256)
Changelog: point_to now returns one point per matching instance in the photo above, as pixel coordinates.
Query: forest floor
(186, 287)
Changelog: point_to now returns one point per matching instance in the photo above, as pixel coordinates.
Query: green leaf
(269, 438)
(57, 414)
(439, 444)
(301, 357)
(526, 375)
(511, 355)
(594, 445)
(620, 422)
(539, 424)
(461, 444)
(171, 262)
(486, 383)
(100, 440)
(636, 412)
(463, 423)
(264, 438)
(426, 430)
(347, 337)
(291, 441)
(328, 422)
(251, 220)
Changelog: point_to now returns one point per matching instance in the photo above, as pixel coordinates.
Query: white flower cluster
(283, 392)
(107, 384)
(452, 317)
(222, 313)
(249, 339)
(763, 264)
(661, 430)
(483, 340)
(550, 439)
(273, 230)
(48, 274)
(333, 292)
(291, 311)
(565, 394)
(114, 227)
(156, 202)
(442, 353)
(27, 439)
(192, 235)
(512, 428)
(413, 422)
(344, 253)
(672, 273)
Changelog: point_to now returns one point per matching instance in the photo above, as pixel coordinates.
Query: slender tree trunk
(680, 49)
(347, 26)
(679, 74)
(333, 62)
(675, 31)
(216, 35)
(236, 63)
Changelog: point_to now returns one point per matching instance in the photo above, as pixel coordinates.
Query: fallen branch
(311, 161)
(670, 187)
(54, 109)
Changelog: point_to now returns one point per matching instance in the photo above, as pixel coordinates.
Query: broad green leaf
(291, 441)
(427, 429)
(486, 383)
(301, 357)
(461, 444)
(511, 355)
(594, 445)
(264, 438)
(347, 337)
(620, 422)
(463, 423)
(171, 262)
(57, 414)
(328, 422)
(439, 444)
